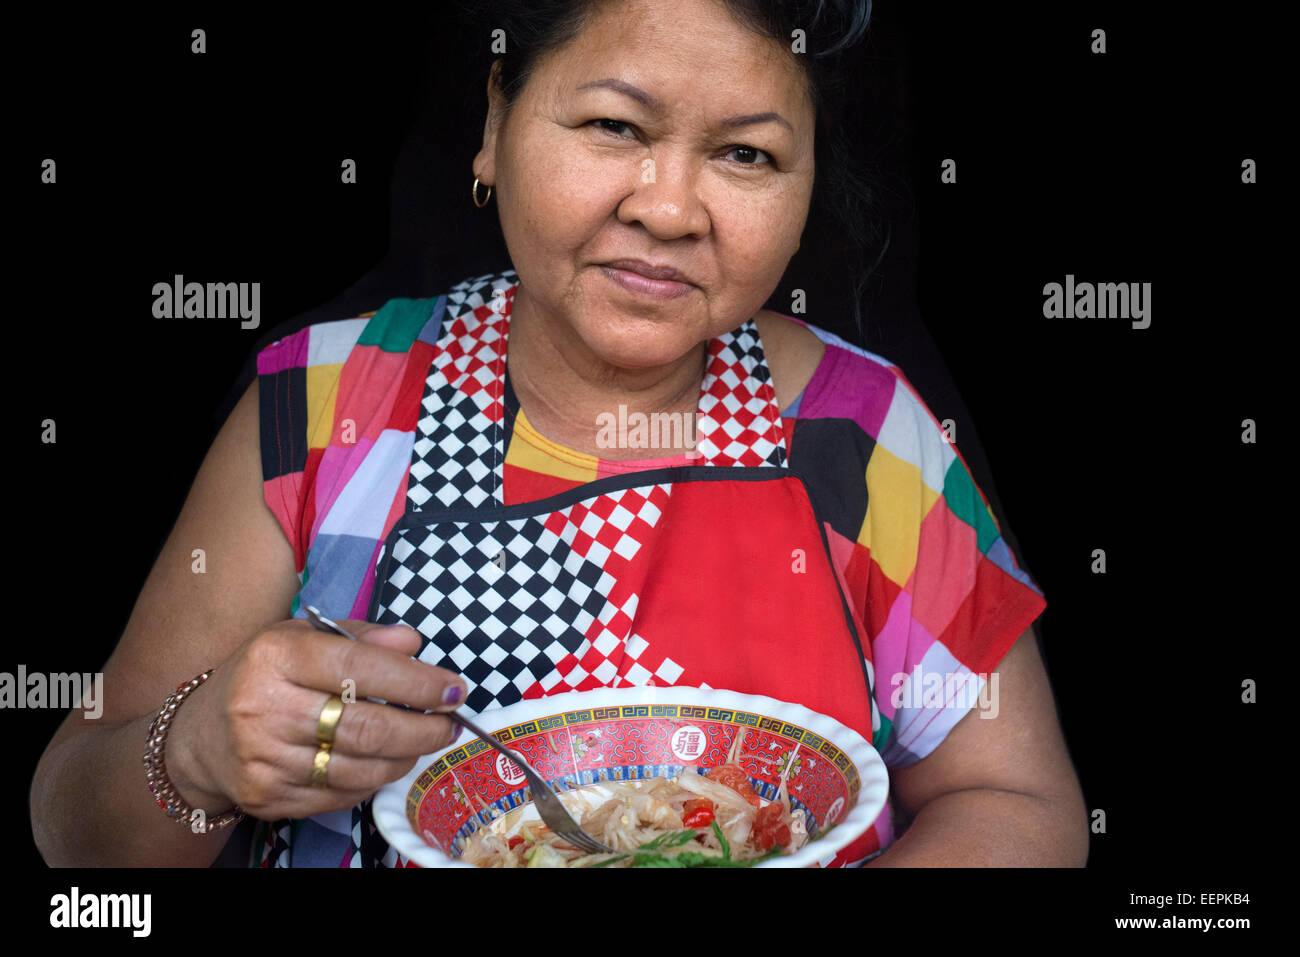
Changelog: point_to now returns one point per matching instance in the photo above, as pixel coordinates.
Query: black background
(1122, 167)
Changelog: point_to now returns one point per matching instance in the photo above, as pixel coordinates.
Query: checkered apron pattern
(537, 598)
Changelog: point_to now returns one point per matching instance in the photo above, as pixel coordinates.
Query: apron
(713, 575)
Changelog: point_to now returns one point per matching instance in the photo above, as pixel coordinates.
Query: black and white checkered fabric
(458, 440)
(366, 846)
(503, 603)
(281, 835)
(739, 426)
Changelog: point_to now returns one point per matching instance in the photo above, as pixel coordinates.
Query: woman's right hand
(247, 736)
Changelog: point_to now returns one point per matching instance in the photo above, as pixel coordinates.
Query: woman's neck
(564, 389)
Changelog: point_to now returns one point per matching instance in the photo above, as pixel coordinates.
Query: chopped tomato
(734, 777)
(515, 842)
(697, 813)
(769, 830)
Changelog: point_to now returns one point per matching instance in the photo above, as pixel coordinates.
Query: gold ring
(320, 768)
(328, 721)
(485, 198)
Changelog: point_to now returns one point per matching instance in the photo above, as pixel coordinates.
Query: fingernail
(455, 735)
(452, 694)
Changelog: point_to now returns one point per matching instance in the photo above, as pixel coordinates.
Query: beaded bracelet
(155, 768)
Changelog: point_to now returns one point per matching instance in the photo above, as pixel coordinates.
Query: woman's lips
(654, 288)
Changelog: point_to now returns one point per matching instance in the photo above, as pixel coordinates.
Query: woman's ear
(485, 160)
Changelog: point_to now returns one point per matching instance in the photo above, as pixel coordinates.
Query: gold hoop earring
(475, 194)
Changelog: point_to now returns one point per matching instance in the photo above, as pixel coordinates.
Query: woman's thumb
(398, 637)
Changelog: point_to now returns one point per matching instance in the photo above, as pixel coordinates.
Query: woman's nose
(665, 199)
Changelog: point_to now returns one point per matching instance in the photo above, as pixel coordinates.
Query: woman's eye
(749, 155)
(746, 155)
(612, 126)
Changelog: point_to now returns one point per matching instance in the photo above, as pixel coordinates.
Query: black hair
(845, 194)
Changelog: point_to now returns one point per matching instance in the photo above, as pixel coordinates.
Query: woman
(811, 536)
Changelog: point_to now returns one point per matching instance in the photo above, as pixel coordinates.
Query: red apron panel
(739, 592)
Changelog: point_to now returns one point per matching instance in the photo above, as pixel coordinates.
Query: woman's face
(666, 132)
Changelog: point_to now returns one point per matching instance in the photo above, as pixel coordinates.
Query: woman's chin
(639, 344)
(643, 356)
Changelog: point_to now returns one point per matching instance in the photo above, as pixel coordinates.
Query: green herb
(647, 854)
(696, 859)
(671, 839)
(659, 860)
(722, 839)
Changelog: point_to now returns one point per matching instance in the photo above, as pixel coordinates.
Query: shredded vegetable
(691, 821)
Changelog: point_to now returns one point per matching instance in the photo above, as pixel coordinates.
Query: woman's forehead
(673, 50)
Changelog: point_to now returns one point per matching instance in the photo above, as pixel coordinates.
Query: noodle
(648, 812)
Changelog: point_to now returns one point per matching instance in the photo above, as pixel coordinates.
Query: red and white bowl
(584, 738)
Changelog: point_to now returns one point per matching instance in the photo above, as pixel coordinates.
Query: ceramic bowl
(580, 739)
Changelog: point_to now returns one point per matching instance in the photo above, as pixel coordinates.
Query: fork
(549, 806)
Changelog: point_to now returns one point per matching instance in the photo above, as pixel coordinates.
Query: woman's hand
(247, 736)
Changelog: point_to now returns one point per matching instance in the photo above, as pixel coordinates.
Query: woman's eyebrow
(627, 89)
(749, 119)
(652, 103)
